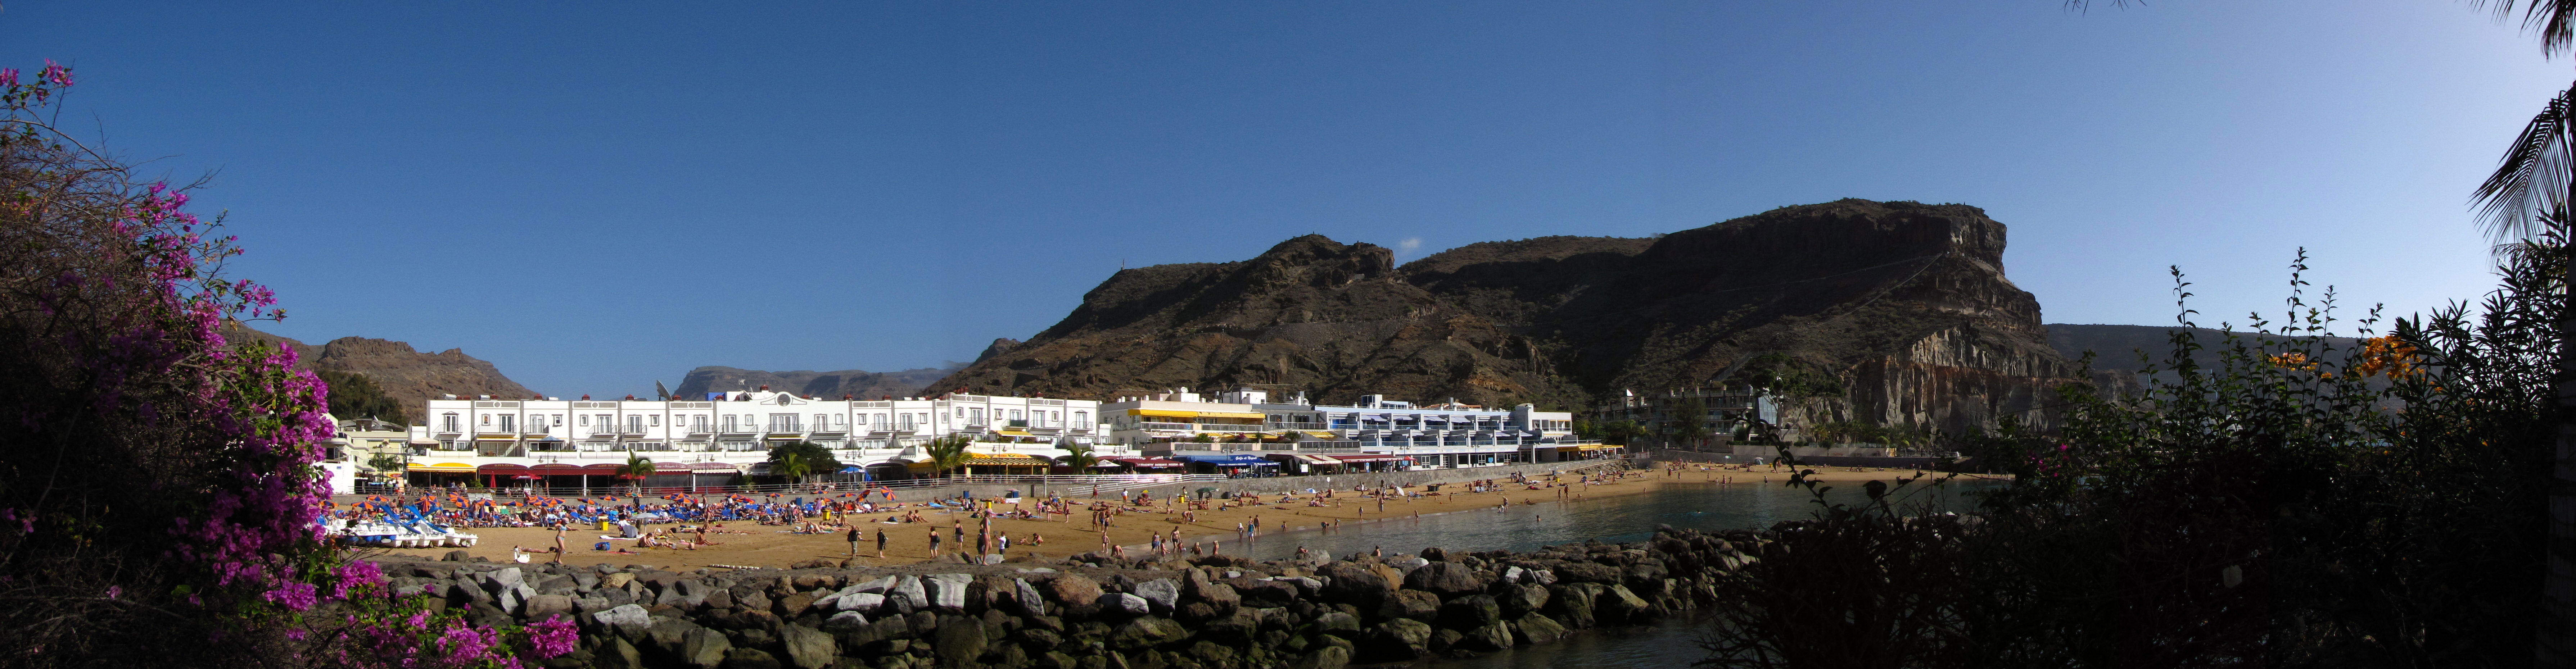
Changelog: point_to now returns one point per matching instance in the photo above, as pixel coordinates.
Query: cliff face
(856, 383)
(1905, 304)
(405, 374)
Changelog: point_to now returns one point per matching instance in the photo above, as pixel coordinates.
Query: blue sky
(595, 196)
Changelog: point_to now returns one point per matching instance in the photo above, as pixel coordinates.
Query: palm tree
(947, 452)
(794, 467)
(635, 469)
(2528, 198)
(1079, 457)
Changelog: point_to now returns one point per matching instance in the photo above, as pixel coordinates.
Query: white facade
(738, 428)
(1448, 434)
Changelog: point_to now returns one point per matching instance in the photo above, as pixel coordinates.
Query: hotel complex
(694, 443)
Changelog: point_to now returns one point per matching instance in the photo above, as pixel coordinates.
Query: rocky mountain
(1891, 312)
(852, 382)
(406, 375)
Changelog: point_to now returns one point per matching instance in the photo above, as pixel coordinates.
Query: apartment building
(729, 434)
(1186, 425)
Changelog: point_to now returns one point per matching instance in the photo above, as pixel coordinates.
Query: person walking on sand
(560, 528)
(934, 541)
(854, 541)
(881, 542)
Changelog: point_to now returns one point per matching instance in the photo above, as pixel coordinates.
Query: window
(728, 423)
(506, 424)
(698, 423)
(558, 420)
(1015, 414)
(487, 420)
(822, 421)
(657, 421)
(1079, 417)
(978, 416)
(450, 425)
(635, 424)
(583, 419)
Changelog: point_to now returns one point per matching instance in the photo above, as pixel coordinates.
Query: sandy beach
(752, 544)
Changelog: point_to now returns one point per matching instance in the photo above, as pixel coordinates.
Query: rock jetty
(1089, 612)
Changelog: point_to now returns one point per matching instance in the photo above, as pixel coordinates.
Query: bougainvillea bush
(158, 500)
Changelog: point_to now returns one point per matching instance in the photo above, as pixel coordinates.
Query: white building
(1375, 430)
(728, 434)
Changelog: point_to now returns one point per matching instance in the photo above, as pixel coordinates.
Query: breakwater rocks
(1214, 612)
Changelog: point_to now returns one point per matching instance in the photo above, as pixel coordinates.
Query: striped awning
(1008, 460)
(1308, 459)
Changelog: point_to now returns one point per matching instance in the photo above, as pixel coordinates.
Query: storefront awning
(1225, 460)
(1369, 457)
(443, 467)
(1323, 435)
(1308, 459)
(1148, 463)
(1598, 447)
(1006, 460)
(501, 469)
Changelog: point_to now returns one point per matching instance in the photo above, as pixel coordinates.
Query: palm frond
(2533, 178)
(2553, 20)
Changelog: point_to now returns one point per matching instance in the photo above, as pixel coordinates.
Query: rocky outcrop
(1904, 304)
(852, 382)
(1093, 611)
(405, 374)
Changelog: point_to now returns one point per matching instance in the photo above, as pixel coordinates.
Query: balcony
(1298, 426)
(1164, 426)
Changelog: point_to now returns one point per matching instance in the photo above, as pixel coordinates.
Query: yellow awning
(1167, 413)
(1014, 461)
(1598, 447)
(1015, 433)
(443, 467)
(1005, 456)
(1323, 435)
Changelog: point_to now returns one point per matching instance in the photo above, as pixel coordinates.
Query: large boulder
(1485, 639)
(703, 648)
(960, 639)
(1075, 590)
(1146, 632)
(1328, 657)
(1337, 623)
(1470, 612)
(1163, 593)
(1411, 605)
(1031, 603)
(616, 653)
(808, 648)
(1398, 640)
(1129, 604)
(541, 607)
(1572, 603)
(627, 621)
(1617, 604)
(907, 594)
(750, 658)
(1587, 572)
(1537, 628)
(1447, 579)
(1521, 599)
(948, 591)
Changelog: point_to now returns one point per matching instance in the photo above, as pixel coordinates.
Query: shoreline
(755, 545)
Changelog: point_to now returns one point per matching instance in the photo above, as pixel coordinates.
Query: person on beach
(559, 542)
(881, 543)
(934, 541)
(854, 541)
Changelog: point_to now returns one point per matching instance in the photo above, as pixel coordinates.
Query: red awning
(500, 469)
(724, 466)
(1149, 463)
(1369, 458)
(600, 470)
(556, 469)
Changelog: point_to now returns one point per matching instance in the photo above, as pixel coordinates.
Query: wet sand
(776, 546)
